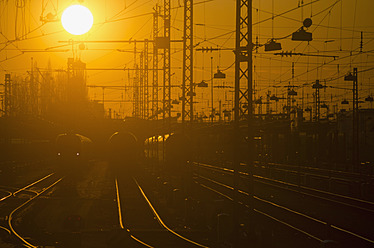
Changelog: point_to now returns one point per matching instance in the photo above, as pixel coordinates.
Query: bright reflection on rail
(120, 218)
(24, 204)
(162, 223)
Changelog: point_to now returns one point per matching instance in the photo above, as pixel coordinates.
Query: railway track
(308, 191)
(16, 200)
(350, 184)
(320, 171)
(141, 221)
(281, 208)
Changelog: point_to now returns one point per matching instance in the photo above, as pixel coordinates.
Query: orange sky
(337, 22)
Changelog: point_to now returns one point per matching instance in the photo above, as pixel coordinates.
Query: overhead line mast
(243, 110)
(141, 85)
(146, 92)
(136, 82)
(187, 83)
(155, 66)
(167, 80)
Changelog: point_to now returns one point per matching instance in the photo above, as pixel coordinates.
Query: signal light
(73, 222)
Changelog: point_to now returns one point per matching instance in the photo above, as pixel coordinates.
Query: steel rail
(265, 201)
(7, 196)
(161, 222)
(24, 188)
(120, 217)
(327, 171)
(292, 211)
(352, 199)
(262, 213)
(6, 229)
(32, 184)
(21, 206)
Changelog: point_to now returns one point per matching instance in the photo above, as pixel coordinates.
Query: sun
(77, 19)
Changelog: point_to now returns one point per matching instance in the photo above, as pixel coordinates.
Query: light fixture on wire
(369, 99)
(349, 77)
(272, 45)
(292, 93)
(202, 84)
(219, 74)
(274, 98)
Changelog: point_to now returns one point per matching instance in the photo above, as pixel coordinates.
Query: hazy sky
(337, 27)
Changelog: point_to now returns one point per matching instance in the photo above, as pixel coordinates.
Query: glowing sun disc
(77, 19)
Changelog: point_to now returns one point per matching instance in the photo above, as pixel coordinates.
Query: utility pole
(103, 89)
(355, 120)
(187, 83)
(243, 109)
(220, 110)
(355, 134)
(33, 89)
(7, 102)
(211, 76)
(268, 103)
(317, 86)
(259, 102)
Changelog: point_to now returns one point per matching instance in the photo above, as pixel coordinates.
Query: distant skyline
(336, 29)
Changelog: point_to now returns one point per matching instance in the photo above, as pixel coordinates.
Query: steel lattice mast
(141, 85)
(167, 81)
(243, 110)
(145, 78)
(187, 84)
(155, 67)
(136, 106)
